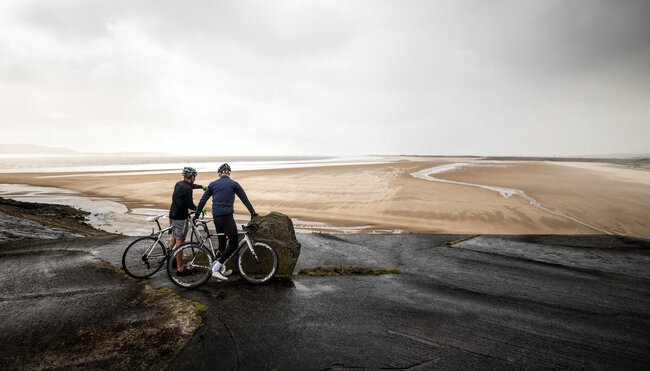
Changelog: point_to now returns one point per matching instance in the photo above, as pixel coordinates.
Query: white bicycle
(146, 255)
(257, 262)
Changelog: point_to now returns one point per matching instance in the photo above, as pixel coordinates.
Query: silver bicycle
(146, 255)
(257, 262)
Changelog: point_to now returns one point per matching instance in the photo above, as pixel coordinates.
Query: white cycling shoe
(221, 274)
(225, 272)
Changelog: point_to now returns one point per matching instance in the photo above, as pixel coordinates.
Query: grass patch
(198, 307)
(342, 270)
(100, 264)
(162, 291)
(187, 312)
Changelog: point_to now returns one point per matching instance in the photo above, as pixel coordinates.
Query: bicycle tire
(136, 264)
(259, 268)
(195, 257)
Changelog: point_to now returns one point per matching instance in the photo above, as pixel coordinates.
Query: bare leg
(179, 256)
(174, 243)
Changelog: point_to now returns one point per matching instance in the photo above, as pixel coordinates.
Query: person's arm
(187, 198)
(204, 199)
(197, 186)
(239, 191)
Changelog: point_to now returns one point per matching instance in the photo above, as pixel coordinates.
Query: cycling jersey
(223, 191)
(182, 200)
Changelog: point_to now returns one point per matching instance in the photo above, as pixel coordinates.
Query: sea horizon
(162, 164)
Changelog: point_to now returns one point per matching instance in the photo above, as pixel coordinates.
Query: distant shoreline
(89, 164)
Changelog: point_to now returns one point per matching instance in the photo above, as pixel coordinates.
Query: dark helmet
(225, 168)
(189, 172)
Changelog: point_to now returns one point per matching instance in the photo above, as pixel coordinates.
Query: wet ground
(486, 303)
(63, 308)
(489, 302)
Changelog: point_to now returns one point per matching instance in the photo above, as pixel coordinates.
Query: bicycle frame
(161, 232)
(202, 240)
(249, 244)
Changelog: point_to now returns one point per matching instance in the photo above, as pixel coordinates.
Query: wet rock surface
(12, 229)
(62, 308)
(32, 220)
(487, 302)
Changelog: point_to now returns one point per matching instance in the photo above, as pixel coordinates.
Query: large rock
(276, 229)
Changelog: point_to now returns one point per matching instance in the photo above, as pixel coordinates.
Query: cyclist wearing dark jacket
(182, 202)
(223, 191)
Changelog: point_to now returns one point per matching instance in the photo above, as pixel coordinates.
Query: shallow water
(105, 214)
(112, 216)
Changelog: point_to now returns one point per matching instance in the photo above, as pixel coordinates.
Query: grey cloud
(72, 20)
(452, 77)
(564, 38)
(284, 29)
(524, 37)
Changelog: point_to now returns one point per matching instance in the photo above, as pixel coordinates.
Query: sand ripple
(505, 192)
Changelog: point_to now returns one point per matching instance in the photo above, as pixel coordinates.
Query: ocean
(157, 164)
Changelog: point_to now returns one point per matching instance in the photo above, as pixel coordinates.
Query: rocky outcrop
(30, 220)
(276, 229)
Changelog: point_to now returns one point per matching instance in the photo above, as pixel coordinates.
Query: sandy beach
(575, 197)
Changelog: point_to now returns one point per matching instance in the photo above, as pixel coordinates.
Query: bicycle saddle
(155, 218)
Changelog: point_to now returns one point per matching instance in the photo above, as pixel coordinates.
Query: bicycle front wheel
(259, 264)
(143, 257)
(197, 259)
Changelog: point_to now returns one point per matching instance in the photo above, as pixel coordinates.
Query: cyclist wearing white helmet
(223, 191)
(182, 202)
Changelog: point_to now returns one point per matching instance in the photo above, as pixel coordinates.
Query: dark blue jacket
(223, 191)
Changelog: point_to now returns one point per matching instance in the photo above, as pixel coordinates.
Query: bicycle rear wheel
(259, 265)
(143, 257)
(195, 257)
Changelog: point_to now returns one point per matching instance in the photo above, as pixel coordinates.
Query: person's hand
(204, 188)
(254, 215)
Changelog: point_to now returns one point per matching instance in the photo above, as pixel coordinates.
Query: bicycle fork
(249, 244)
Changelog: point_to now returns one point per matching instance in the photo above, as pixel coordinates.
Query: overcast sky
(551, 77)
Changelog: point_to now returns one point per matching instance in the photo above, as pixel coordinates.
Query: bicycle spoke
(143, 257)
(258, 264)
(197, 261)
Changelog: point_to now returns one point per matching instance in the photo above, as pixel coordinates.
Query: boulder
(276, 230)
